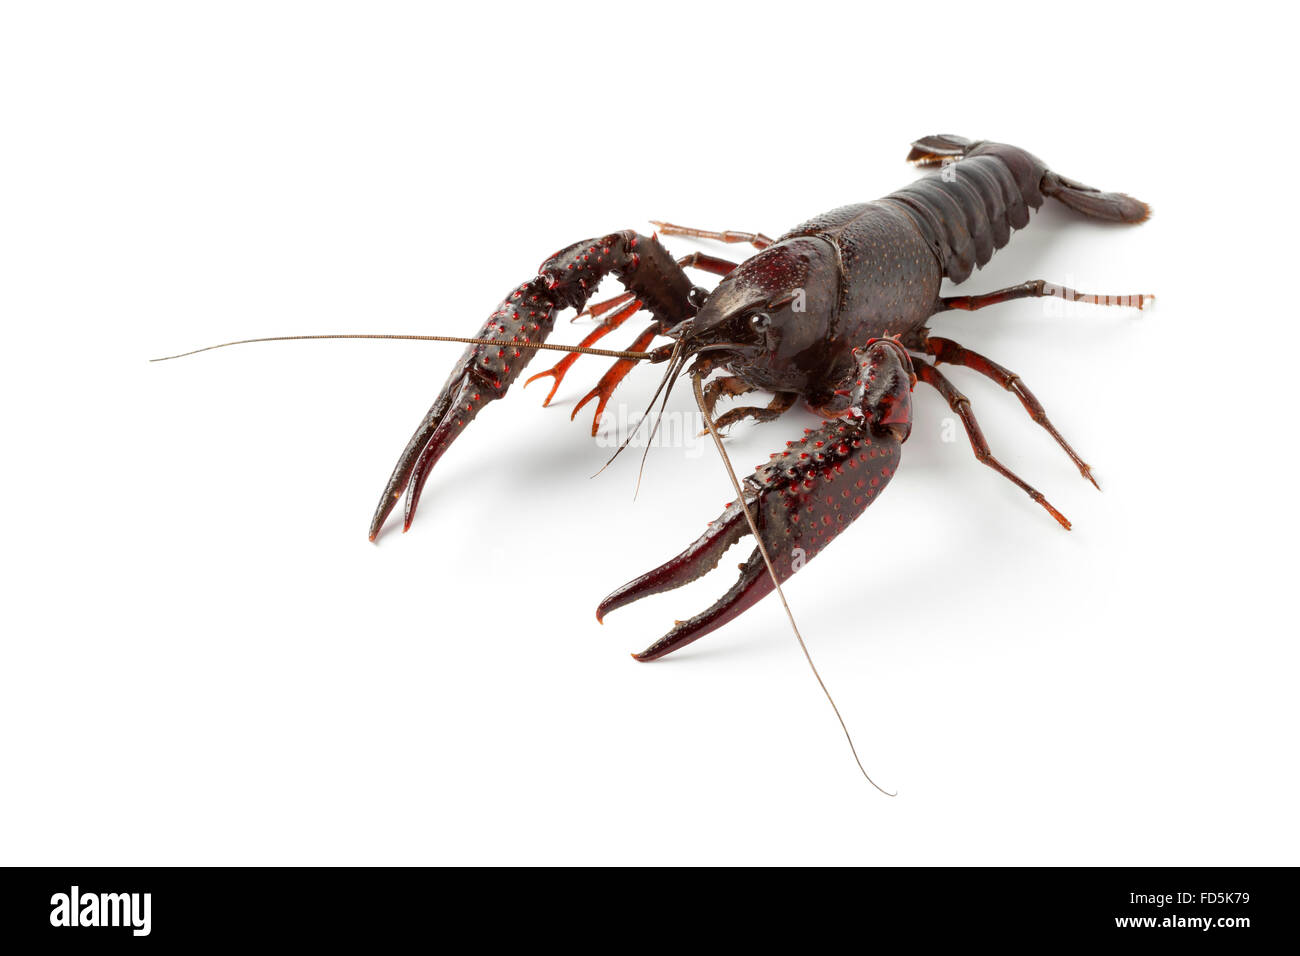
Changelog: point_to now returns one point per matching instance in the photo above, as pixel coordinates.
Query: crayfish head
(773, 310)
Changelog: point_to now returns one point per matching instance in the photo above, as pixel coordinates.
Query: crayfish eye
(697, 297)
(760, 321)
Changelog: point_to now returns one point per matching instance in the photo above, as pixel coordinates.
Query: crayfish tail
(1112, 207)
(932, 150)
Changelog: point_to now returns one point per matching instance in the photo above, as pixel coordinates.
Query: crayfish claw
(753, 584)
(482, 375)
(521, 322)
(696, 561)
(803, 499)
(800, 501)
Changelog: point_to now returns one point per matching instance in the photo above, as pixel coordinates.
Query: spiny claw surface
(801, 500)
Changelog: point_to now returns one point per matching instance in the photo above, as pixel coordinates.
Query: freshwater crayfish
(834, 313)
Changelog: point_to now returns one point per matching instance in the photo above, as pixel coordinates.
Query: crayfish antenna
(581, 350)
(697, 384)
(675, 363)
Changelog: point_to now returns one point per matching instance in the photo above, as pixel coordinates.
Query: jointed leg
(781, 403)
(558, 370)
(946, 350)
(960, 404)
(611, 379)
(1038, 289)
(724, 386)
(755, 239)
(730, 386)
(714, 265)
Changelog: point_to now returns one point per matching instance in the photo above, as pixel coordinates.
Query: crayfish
(834, 312)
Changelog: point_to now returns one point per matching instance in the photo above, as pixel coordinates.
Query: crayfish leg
(560, 368)
(960, 404)
(724, 386)
(946, 350)
(755, 239)
(1039, 289)
(781, 403)
(612, 379)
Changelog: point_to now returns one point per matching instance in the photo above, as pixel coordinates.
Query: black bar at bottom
(133, 907)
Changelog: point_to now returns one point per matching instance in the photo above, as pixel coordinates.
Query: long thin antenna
(672, 374)
(673, 369)
(504, 343)
(697, 384)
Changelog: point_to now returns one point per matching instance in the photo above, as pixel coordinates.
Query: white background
(204, 661)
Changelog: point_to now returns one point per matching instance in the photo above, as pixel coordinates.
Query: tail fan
(1113, 207)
